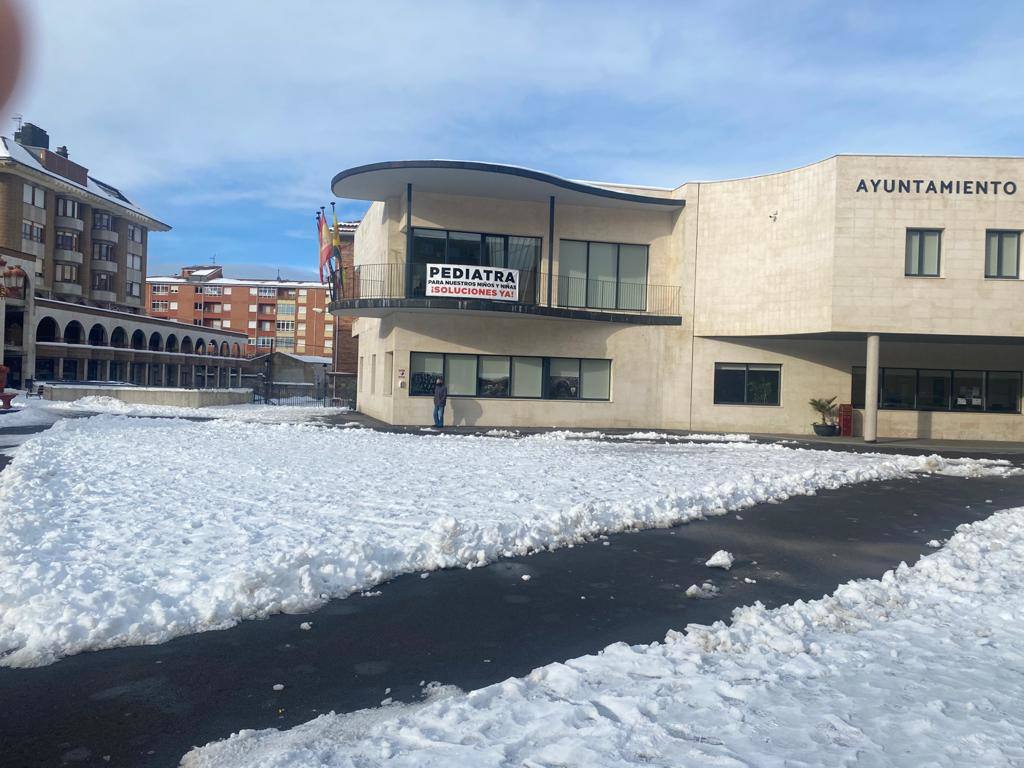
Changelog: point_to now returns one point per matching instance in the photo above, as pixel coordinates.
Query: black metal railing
(409, 281)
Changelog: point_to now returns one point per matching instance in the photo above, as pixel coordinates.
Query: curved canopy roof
(380, 181)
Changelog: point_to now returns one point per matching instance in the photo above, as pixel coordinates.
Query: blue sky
(228, 119)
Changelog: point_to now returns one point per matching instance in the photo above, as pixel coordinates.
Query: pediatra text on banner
(469, 282)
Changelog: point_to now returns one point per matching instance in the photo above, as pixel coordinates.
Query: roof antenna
(17, 118)
(279, 273)
(213, 259)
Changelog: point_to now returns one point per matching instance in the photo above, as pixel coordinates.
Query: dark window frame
(545, 371)
(618, 273)
(529, 292)
(919, 256)
(746, 374)
(858, 401)
(102, 220)
(999, 254)
(66, 203)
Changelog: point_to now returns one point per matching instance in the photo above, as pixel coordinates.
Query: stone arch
(74, 333)
(156, 341)
(225, 349)
(171, 345)
(139, 340)
(200, 348)
(186, 345)
(97, 335)
(119, 337)
(48, 330)
(236, 350)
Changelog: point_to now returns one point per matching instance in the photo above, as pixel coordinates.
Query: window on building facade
(67, 240)
(210, 290)
(33, 195)
(265, 341)
(286, 325)
(160, 288)
(266, 309)
(1002, 254)
(286, 309)
(438, 246)
(65, 273)
(266, 325)
(198, 306)
(252, 307)
(287, 342)
(133, 289)
(67, 208)
(602, 275)
(134, 261)
(160, 306)
(266, 292)
(926, 389)
(923, 252)
(134, 233)
(174, 305)
(103, 252)
(101, 220)
(102, 281)
(32, 231)
(554, 378)
(747, 384)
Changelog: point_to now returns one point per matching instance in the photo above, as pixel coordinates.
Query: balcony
(104, 265)
(68, 289)
(105, 236)
(375, 290)
(63, 254)
(69, 222)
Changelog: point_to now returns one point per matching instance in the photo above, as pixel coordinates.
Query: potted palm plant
(827, 409)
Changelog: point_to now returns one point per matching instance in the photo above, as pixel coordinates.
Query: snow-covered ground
(243, 412)
(117, 531)
(924, 667)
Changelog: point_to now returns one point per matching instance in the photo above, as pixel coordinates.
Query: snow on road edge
(919, 667)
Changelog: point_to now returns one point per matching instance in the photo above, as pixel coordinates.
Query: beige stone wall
(871, 291)
(764, 252)
(643, 359)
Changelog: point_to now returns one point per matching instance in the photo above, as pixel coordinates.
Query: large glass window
(1002, 254)
(102, 281)
(103, 252)
(460, 377)
(747, 384)
(933, 389)
(602, 275)
(102, 220)
(67, 208)
(968, 391)
(1003, 394)
(65, 273)
(923, 258)
(494, 376)
(942, 390)
(899, 386)
(32, 231)
(527, 377)
(33, 195)
(563, 378)
(67, 240)
(438, 246)
(424, 369)
(595, 379)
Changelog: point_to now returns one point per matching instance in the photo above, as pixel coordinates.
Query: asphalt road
(147, 706)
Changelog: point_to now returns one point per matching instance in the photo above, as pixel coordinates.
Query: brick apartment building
(276, 315)
(74, 250)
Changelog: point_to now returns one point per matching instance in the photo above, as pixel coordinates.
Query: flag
(336, 250)
(325, 243)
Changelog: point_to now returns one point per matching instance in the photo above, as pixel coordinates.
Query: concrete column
(163, 374)
(871, 390)
(3, 329)
(28, 339)
(59, 373)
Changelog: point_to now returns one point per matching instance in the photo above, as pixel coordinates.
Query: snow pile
(921, 667)
(243, 412)
(33, 412)
(566, 434)
(117, 531)
(721, 559)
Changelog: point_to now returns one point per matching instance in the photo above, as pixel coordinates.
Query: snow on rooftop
(12, 150)
(246, 282)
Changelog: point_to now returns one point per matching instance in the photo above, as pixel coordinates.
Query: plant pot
(826, 430)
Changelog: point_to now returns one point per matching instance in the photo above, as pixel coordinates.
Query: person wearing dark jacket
(440, 400)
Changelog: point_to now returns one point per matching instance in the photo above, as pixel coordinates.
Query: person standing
(440, 400)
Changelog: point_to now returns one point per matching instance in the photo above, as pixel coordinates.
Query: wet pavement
(147, 706)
